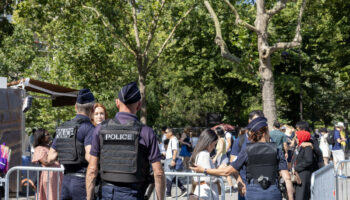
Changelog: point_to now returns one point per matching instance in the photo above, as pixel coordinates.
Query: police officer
(72, 146)
(263, 162)
(124, 149)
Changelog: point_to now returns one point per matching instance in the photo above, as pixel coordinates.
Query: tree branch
(218, 39)
(108, 25)
(134, 16)
(154, 25)
(297, 38)
(278, 7)
(239, 21)
(171, 35)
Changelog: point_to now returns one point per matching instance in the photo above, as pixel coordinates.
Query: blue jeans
(240, 197)
(256, 192)
(73, 188)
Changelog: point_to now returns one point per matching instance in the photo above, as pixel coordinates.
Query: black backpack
(330, 138)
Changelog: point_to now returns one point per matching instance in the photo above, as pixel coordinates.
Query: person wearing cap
(241, 144)
(263, 162)
(337, 151)
(123, 151)
(72, 145)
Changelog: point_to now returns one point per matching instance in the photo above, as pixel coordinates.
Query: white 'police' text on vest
(64, 132)
(121, 136)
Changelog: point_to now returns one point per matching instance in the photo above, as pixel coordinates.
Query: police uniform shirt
(147, 138)
(84, 136)
(236, 150)
(242, 160)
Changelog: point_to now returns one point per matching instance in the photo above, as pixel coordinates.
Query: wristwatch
(205, 171)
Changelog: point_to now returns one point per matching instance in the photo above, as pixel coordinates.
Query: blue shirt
(242, 160)
(147, 138)
(84, 135)
(337, 145)
(236, 150)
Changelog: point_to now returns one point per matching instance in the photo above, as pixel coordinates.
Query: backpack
(330, 138)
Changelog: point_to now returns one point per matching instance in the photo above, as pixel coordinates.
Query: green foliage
(78, 44)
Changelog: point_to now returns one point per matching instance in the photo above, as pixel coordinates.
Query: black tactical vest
(70, 150)
(122, 158)
(262, 160)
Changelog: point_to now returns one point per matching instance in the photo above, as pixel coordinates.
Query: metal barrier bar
(189, 174)
(342, 178)
(27, 168)
(321, 183)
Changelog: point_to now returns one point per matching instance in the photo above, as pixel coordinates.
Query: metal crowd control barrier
(189, 175)
(322, 183)
(18, 169)
(342, 180)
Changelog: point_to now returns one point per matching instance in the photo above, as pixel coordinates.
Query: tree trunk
(142, 86)
(268, 84)
(268, 91)
(265, 69)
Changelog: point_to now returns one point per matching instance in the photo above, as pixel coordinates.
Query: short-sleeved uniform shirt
(236, 149)
(337, 145)
(242, 160)
(84, 135)
(279, 138)
(147, 138)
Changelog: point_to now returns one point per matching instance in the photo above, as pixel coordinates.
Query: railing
(342, 180)
(26, 169)
(189, 177)
(322, 183)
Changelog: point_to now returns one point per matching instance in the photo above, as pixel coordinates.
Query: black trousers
(169, 184)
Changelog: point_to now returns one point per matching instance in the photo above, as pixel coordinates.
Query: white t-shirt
(172, 145)
(228, 136)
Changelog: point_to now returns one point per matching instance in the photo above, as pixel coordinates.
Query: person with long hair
(201, 157)
(41, 151)
(99, 114)
(263, 161)
(220, 157)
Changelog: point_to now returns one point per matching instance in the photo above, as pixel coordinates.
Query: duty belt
(273, 182)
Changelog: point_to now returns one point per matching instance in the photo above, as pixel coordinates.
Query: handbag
(295, 178)
(294, 175)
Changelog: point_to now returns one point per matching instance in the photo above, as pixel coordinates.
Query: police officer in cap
(263, 161)
(72, 145)
(125, 150)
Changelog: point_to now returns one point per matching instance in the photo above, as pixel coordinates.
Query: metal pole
(58, 185)
(37, 185)
(48, 186)
(27, 184)
(188, 194)
(199, 187)
(17, 184)
(176, 186)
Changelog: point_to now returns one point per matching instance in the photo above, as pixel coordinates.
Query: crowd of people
(124, 157)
